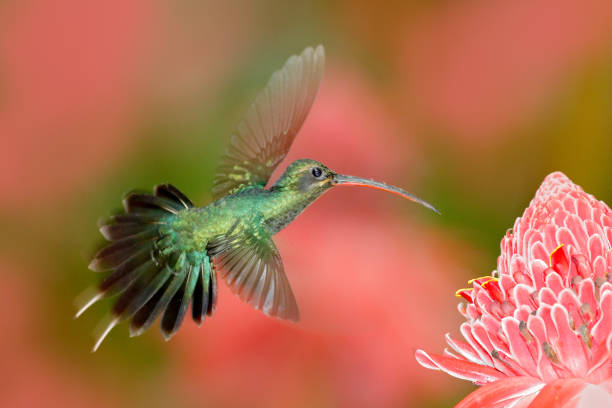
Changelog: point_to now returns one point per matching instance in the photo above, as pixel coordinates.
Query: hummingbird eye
(316, 172)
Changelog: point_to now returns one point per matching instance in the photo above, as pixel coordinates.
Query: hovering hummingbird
(164, 253)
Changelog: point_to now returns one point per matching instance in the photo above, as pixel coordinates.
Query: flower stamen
(465, 293)
(482, 278)
(550, 352)
(585, 313)
(492, 286)
(495, 354)
(586, 335)
(524, 332)
(550, 257)
(582, 266)
(558, 261)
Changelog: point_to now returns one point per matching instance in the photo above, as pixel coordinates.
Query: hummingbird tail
(150, 276)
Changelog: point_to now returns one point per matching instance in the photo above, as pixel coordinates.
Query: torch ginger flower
(539, 329)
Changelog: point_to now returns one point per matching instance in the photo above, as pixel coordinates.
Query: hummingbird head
(312, 179)
(307, 177)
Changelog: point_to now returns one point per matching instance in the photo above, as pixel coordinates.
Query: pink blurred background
(467, 104)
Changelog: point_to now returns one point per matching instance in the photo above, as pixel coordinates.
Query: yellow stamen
(482, 277)
(484, 284)
(552, 253)
(458, 292)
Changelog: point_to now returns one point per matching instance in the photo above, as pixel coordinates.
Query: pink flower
(539, 330)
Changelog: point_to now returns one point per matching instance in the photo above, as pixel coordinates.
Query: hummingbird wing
(252, 268)
(263, 138)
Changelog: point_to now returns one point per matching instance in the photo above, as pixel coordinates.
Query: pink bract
(538, 331)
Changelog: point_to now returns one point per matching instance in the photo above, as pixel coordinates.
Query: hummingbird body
(266, 211)
(196, 227)
(164, 253)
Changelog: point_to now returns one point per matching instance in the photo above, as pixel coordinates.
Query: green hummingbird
(164, 253)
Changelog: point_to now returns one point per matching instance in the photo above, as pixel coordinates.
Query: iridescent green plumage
(164, 253)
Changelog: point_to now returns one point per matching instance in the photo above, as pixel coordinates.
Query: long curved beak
(341, 179)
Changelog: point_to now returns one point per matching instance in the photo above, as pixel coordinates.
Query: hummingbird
(164, 253)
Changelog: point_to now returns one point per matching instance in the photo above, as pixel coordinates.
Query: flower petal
(569, 300)
(559, 394)
(603, 327)
(463, 348)
(517, 392)
(459, 368)
(570, 347)
(521, 295)
(518, 346)
(596, 396)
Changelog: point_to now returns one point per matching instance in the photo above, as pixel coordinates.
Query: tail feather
(172, 193)
(105, 326)
(86, 299)
(120, 230)
(139, 264)
(205, 293)
(146, 316)
(136, 218)
(137, 323)
(199, 307)
(146, 203)
(175, 312)
(198, 310)
(140, 291)
(148, 275)
(122, 250)
(212, 293)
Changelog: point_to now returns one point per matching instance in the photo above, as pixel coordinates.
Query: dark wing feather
(261, 141)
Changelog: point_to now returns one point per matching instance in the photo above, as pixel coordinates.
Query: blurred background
(468, 104)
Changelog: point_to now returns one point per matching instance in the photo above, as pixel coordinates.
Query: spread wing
(263, 138)
(252, 268)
